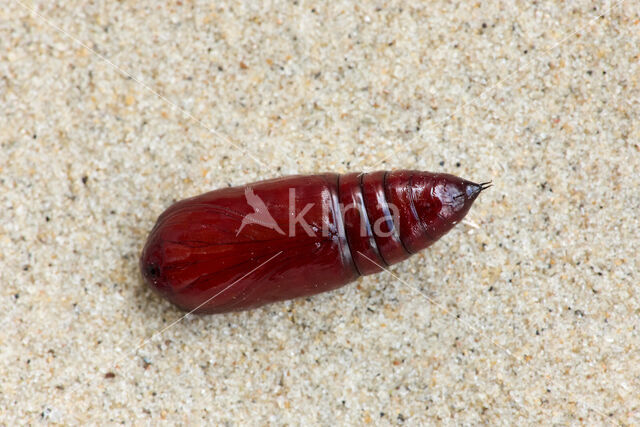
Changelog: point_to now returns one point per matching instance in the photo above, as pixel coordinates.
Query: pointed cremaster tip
(474, 189)
(456, 196)
(440, 201)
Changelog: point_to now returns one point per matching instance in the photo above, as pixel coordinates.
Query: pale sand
(532, 317)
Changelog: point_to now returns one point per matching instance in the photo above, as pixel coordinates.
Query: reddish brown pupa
(242, 247)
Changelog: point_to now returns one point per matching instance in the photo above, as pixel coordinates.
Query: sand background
(528, 313)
